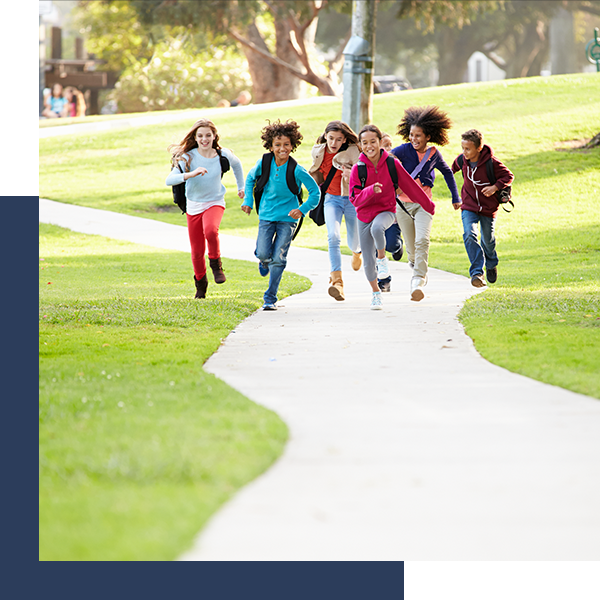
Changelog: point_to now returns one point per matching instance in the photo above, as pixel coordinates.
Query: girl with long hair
(375, 202)
(196, 161)
(337, 148)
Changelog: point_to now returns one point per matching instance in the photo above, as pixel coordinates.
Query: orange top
(335, 187)
(425, 188)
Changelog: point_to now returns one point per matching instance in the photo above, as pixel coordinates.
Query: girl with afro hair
(279, 208)
(421, 127)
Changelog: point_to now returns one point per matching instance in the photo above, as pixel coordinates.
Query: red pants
(203, 229)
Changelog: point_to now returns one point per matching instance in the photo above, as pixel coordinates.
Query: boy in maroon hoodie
(479, 204)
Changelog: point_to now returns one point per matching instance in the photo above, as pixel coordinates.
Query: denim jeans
(337, 207)
(272, 245)
(393, 238)
(487, 249)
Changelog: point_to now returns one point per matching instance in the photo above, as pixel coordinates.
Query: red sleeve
(503, 175)
(412, 189)
(358, 197)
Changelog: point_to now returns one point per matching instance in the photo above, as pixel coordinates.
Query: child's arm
(412, 189)
(314, 193)
(503, 176)
(238, 171)
(175, 177)
(360, 197)
(445, 170)
(248, 203)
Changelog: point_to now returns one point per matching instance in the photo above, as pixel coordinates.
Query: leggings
(203, 230)
(372, 238)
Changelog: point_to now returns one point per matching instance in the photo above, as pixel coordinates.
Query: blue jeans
(272, 245)
(487, 249)
(393, 238)
(335, 208)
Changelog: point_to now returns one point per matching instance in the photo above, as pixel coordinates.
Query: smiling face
(281, 148)
(335, 140)
(204, 138)
(470, 150)
(418, 138)
(370, 145)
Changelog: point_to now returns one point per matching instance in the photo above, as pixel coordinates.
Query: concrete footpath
(404, 443)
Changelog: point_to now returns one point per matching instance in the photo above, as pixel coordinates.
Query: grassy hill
(125, 408)
(541, 318)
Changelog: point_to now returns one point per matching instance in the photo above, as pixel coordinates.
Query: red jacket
(474, 180)
(368, 204)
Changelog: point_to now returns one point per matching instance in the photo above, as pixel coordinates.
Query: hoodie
(475, 179)
(368, 204)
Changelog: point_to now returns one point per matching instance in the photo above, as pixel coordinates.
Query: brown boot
(336, 289)
(356, 260)
(201, 286)
(217, 269)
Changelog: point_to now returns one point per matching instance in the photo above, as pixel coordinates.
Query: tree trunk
(531, 45)
(270, 82)
(455, 47)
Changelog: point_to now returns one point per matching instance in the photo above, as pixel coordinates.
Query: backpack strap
(489, 167)
(290, 179)
(391, 165)
(460, 160)
(261, 182)
(224, 162)
(361, 170)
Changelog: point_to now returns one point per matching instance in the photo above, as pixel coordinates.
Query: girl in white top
(198, 157)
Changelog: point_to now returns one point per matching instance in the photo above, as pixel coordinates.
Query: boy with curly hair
(278, 206)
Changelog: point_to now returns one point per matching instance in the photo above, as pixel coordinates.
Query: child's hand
(490, 190)
(377, 188)
(296, 213)
(247, 209)
(198, 171)
(241, 194)
(456, 205)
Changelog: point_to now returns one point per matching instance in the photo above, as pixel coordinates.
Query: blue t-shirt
(277, 200)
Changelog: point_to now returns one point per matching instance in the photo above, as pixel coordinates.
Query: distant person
(77, 106)
(335, 149)
(376, 205)
(479, 204)
(56, 104)
(277, 205)
(196, 162)
(420, 127)
(243, 98)
(223, 103)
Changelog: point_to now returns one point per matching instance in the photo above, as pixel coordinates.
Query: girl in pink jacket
(375, 203)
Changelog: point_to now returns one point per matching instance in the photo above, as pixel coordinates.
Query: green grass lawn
(138, 445)
(549, 246)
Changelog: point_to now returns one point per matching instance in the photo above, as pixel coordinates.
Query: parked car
(390, 83)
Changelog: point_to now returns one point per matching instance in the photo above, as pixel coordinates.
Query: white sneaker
(416, 289)
(383, 269)
(376, 303)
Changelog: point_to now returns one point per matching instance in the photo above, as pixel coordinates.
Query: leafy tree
(276, 36)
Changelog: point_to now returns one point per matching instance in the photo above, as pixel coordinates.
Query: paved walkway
(404, 443)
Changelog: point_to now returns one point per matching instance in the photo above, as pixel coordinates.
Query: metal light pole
(357, 103)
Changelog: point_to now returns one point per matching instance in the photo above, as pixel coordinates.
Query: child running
(335, 149)
(197, 162)
(479, 204)
(375, 204)
(268, 185)
(419, 127)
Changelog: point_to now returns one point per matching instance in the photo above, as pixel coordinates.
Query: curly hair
(473, 135)
(434, 122)
(343, 128)
(289, 129)
(180, 151)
